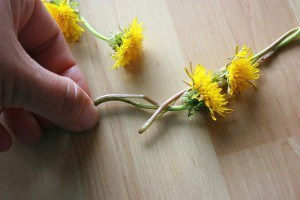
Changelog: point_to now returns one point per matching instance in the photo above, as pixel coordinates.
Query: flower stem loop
(162, 108)
(125, 98)
(280, 42)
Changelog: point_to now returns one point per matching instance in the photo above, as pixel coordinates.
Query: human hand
(40, 83)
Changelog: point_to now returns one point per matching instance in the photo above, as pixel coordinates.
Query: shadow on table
(47, 170)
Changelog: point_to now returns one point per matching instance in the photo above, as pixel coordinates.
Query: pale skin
(40, 83)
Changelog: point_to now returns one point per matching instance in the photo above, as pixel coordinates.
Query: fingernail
(29, 136)
(23, 125)
(5, 141)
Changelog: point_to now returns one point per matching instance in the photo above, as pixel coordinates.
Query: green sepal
(115, 40)
(193, 103)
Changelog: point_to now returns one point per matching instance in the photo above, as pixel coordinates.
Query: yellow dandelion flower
(208, 92)
(241, 71)
(67, 19)
(131, 45)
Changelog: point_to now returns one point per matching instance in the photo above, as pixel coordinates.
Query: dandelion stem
(162, 108)
(92, 30)
(124, 98)
(280, 42)
(289, 39)
(104, 98)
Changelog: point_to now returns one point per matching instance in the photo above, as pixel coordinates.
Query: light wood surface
(253, 154)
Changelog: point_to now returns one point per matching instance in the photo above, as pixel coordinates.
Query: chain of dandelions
(205, 89)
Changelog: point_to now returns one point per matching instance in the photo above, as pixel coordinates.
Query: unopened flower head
(66, 16)
(205, 93)
(241, 71)
(127, 44)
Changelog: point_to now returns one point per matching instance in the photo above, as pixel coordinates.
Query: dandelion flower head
(241, 71)
(66, 17)
(206, 91)
(130, 45)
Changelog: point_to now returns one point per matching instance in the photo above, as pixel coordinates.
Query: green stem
(161, 108)
(92, 30)
(289, 39)
(280, 42)
(108, 98)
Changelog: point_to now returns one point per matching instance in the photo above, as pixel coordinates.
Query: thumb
(54, 97)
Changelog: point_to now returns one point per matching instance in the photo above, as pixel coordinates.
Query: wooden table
(252, 154)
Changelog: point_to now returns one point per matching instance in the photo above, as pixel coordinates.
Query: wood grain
(253, 154)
